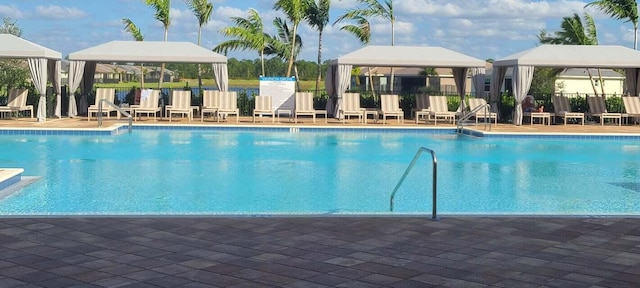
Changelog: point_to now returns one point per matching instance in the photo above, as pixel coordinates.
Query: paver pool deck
(456, 251)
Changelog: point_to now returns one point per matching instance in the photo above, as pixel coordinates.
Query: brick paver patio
(320, 252)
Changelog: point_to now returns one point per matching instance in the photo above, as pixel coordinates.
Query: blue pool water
(226, 172)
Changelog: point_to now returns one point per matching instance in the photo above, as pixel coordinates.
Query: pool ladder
(434, 215)
(125, 113)
(467, 116)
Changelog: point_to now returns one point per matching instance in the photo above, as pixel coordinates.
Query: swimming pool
(263, 172)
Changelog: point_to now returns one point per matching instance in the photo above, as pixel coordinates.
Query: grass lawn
(304, 85)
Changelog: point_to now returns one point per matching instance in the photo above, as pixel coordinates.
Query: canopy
(562, 56)
(83, 61)
(339, 70)
(44, 65)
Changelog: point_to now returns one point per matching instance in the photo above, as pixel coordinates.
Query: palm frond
(362, 30)
(130, 27)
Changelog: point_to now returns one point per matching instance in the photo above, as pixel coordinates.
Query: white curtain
(633, 81)
(76, 70)
(329, 85)
(460, 78)
(477, 77)
(497, 79)
(222, 76)
(344, 81)
(522, 76)
(38, 68)
(54, 76)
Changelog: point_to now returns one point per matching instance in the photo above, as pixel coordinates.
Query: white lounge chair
(304, 106)
(598, 108)
(210, 103)
(390, 107)
(563, 109)
(263, 106)
(17, 102)
(422, 107)
(228, 102)
(180, 104)
(631, 107)
(439, 109)
(351, 107)
(107, 94)
(148, 104)
(482, 113)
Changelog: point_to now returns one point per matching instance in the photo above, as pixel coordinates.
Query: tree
(202, 10)
(248, 33)
(280, 44)
(162, 8)
(574, 32)
(10, 27)
(372, 9)
(135, 32)
(619, 10)
(295, 11)
(318, 17)
(13, 72)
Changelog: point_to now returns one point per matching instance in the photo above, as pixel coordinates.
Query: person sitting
(539, 109)
(529, 104)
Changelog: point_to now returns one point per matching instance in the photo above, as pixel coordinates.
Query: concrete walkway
(320, 252)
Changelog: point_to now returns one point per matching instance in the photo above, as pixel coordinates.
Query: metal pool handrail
(434, 215)
(120, 110)
(487, 119)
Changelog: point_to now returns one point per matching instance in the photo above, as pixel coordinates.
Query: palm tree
(619, 10)
(280, 44)
(295, 11)
(202, 10)
(574, 32)
(362, 31)
(135, 32)
(372, 9)
(248, 33)
(318, 17)
(162, 8)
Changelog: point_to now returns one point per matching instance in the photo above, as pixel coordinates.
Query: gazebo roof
(576, 56)
(407, 56)
(16, 47)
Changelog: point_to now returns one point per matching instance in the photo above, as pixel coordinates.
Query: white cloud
(523, 9)
(10, 11)
(58, 12)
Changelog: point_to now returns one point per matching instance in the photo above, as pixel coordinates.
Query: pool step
(10, 176)
(11, 180)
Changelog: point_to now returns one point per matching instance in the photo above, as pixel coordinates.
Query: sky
(480, 28)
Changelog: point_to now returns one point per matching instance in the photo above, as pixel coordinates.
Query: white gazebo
(338, 76)
(82, 63)
(44, 65)
(562, 56)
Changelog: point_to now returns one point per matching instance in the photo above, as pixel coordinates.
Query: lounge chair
(422, 107)
(148, 104)
(16, 102)
(228, 101)
(439, 109)
(107, 94)
(474, 103)
(304, 106)
(210, 103)
(563, 109)
(180, 104)
(351, 107)
(263, 106)
(597, 108)
(390, 107)
(631, 107)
